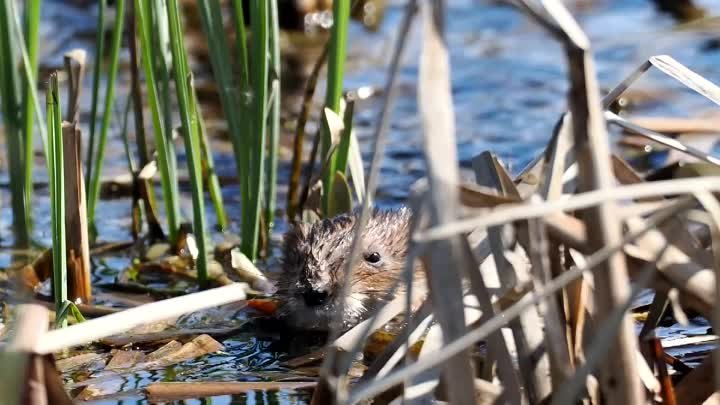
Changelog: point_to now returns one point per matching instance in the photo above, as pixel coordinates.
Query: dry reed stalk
(527, 329)
(119, 322)
(445, 257)
(498, 351)
(619, 373)
(78, 250)
(75, 69)
(556, 343)
(368, 390)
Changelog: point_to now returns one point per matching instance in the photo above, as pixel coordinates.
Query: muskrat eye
(373, 258)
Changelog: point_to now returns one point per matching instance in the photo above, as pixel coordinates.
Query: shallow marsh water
(509, 88)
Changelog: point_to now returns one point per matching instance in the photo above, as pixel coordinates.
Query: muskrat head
(315, 263)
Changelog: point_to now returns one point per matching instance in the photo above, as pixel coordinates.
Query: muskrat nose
(314, 297)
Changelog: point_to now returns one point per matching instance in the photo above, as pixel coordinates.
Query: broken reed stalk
(75, 70)
(95, 166)
(15, 125)
(163, 144)
(78, 251)
(189, 118)
(57, 194)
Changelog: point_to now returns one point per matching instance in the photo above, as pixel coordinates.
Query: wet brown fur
(314, 256)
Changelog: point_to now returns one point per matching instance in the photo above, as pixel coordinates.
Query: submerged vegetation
(530, 277)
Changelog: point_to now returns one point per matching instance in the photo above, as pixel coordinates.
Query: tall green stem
(188, 116)
(94, 193)
(57, 194)
(274, 124)
(336, 71)
(99, 50)
(32, 25)
(167, 172)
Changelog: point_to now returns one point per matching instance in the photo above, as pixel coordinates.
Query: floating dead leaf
(200, 346)
(164, 351)
(166, 335)
(124, 359)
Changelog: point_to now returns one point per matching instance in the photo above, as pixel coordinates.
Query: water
(509, 87)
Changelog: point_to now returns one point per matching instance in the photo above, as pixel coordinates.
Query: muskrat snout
(314, 298)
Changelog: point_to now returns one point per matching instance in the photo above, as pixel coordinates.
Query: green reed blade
(99, 51)
(336, 71)
(209, 174)
(94, 192)
(259, 78)
(168, 178)
(188, 116)
(274, 123)
(32, 28)
(57, 195)
(241, 43)
(12, 117)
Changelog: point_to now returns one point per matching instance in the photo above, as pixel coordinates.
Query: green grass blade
(336, 71)
(57, 195)
(32, 28)
(259, 79)
(274, 119)
(94, 193)
(209, 174)
(241, 43)
(99, 50)
(168, 177)
(188, 116)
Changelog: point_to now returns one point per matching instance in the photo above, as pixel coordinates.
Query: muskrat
(314, 263)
